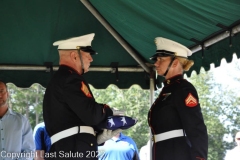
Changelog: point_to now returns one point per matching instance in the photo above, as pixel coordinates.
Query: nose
(90, 58)
(156, 64)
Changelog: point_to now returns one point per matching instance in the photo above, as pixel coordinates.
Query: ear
(7, 94)
(175, 62)
(73, 55)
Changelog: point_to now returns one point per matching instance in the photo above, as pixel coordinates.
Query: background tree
(27, 101)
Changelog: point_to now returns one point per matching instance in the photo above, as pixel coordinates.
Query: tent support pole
(115, 34)
(55, 68)
(152, 79)
(216, 39)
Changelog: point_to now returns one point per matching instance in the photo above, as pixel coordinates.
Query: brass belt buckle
(153, 139)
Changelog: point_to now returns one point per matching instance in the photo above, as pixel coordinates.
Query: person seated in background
(42, 141)
(234, 154)
(120, 146)
(16, 132)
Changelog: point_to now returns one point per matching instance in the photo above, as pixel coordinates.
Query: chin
(160, 74)
(86, 70)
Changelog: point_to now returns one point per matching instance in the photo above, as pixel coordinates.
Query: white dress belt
(168, 135)
(71, 131)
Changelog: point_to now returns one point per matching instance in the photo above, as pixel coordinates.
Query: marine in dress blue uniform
(175, 118)
(72, 116)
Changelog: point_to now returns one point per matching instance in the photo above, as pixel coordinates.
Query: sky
(227, 73)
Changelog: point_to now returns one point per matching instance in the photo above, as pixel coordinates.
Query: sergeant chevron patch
(191, 101)
(85, 90)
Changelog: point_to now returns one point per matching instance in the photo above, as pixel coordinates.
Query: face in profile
(161, 65)
(86, 59)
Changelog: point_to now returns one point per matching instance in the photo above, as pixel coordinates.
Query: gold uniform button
(168, 81)
(91, 144)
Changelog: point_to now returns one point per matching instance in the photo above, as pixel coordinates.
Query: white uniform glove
(106, 135)
(117, 112)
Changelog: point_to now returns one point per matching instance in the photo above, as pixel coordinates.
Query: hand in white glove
(106, 135)
(117, 112)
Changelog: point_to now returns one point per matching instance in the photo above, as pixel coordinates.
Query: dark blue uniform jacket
(177, 107)
(69, 102)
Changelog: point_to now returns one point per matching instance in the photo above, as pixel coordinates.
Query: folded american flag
(123, 122)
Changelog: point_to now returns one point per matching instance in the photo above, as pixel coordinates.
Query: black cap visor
(161, 53)
(88, 49)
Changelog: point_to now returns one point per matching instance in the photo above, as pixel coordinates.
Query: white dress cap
(73, 43)
(172, 46)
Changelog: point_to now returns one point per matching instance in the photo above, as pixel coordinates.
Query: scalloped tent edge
(27, 55)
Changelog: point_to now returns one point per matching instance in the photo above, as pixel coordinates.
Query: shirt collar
(121, 136)
(10, 112)
(172, 79)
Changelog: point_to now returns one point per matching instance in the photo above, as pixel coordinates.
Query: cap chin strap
(164, 75)
(80, 56)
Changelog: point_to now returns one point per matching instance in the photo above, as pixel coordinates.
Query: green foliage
(27, 101)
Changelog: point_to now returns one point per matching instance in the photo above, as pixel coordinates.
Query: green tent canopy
(125, 32)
